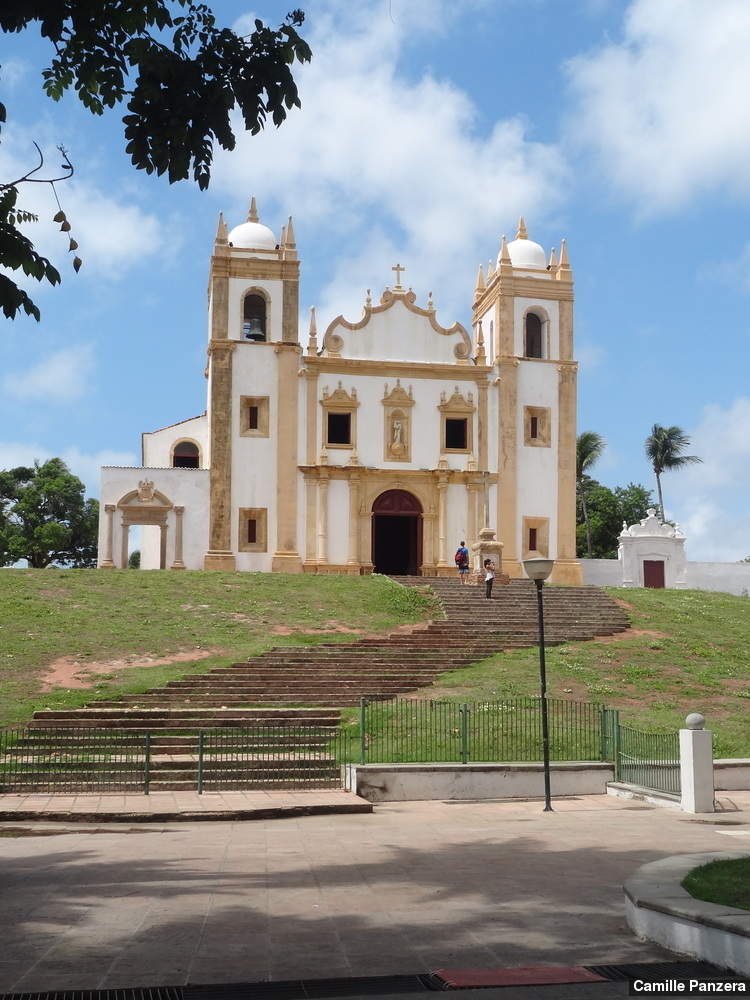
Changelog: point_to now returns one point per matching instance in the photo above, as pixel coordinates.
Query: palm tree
(665, 448)
(589, 449)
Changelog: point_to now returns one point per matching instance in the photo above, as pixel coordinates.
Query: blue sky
(427, 127)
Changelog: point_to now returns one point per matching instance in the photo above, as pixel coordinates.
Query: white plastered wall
(188, 488)
(338, 521)
(158, 445)
(238, 287)
(254, 458)
(537, 466)
(399, 334)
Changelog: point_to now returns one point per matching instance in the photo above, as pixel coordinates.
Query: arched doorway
(397, 533)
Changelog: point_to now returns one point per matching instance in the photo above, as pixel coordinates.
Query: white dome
(526, 254)
(252, 236)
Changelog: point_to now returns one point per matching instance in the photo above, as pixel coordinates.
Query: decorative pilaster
(219, 555)
(442, 488)
(107, 562)
(323, 519)
(178, 563)
(354, 502)
(311, 496)
(507, 492)
(471, 512)
(483, 431)
(567, 568)
(286, 557)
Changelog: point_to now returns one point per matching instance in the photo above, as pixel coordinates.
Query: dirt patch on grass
(629, 633)
(67, 672)
(623, 604)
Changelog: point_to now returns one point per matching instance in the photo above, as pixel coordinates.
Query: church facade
(375, 445)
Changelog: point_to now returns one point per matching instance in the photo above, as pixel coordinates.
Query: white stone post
(178, 563)
(696, 766)
(323, 520)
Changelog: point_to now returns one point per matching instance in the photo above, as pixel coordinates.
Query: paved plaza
(409, 888)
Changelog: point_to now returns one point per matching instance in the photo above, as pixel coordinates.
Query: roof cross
(398, 269)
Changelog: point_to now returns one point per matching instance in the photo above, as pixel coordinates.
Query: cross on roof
(398, 269)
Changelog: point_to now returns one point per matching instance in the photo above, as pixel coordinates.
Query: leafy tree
(181, 74)
(665, 449)
(589, 449)
(44, 517)
(134, 559)
(607, 509)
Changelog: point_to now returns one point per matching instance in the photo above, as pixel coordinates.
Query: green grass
(723, 882)
(97, 616)
(699, 660)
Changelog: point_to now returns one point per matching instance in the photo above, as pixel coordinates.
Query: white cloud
(61, 377)
(710, 500)
(387, 166)
(84, 465)
(13, 71)
(665, 109)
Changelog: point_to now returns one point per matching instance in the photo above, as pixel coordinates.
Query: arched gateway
(397, 533)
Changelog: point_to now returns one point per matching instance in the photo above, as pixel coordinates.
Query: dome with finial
(252, 234)
(525, 253)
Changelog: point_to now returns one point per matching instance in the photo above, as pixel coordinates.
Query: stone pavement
(410, 888)
(180, 805)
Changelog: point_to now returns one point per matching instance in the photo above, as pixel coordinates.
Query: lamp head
(538, 569)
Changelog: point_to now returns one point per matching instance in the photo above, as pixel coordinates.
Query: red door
(653, 573)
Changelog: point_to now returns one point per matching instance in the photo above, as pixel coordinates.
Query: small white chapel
(375, 445)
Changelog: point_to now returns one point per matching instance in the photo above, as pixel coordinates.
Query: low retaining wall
(726, 578)
(658, 909)
(414, 782)
(732, 775)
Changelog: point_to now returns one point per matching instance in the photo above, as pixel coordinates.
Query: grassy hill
(72, 627)
(687, 651)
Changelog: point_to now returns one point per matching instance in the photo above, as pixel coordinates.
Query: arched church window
(186, 455)
(532, 336)
(254, 317)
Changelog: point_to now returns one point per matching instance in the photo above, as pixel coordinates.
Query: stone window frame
(456, 408)
(543, 316)
(264, 294)
(185, 440)
(397, 404)
(543, 416)
(340, 401)
(541, 526)
(260, 516)
(263, 404)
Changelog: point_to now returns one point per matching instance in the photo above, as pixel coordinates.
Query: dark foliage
(607, 509)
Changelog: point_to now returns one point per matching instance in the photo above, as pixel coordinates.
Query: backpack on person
(462, 557)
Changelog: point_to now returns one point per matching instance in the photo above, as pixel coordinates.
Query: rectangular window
(532, 539)
(253, 529)
(254, 417)
(535, 427)
(339, 428)
(537, 430)
(456, 433)
(535, 536)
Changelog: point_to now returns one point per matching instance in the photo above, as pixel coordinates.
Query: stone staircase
(268, 691)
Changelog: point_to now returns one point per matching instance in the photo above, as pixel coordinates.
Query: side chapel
(375, 447)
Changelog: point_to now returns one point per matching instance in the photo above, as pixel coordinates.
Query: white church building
(375, 446)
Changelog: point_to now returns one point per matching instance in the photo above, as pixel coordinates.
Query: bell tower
(523, 306)
(253, 356)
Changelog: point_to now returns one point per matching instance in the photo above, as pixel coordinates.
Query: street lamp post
(538, 570)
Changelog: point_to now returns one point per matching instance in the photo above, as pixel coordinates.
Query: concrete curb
(185, 816)
(658, 909)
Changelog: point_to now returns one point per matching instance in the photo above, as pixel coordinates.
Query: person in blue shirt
(462, 562)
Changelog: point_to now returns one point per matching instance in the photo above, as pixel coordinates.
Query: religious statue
(397, 431)
(397, 444)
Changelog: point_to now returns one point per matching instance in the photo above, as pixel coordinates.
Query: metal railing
(509, 729)
(650, 760)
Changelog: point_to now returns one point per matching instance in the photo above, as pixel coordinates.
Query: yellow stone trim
(262, 403)
(457, 407)
(397, 404)
(262, 269)
(507, 461)
(340, 401)
(543, 416)
(399, 369)
(541, 525)
(220, 448)
(311, 420)
(186, 440)
(565, 333)
(541, 313)
(483, 427)
(333, 342)
(566, 465)
(286, 556)
(260, 516)
(266, 296)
